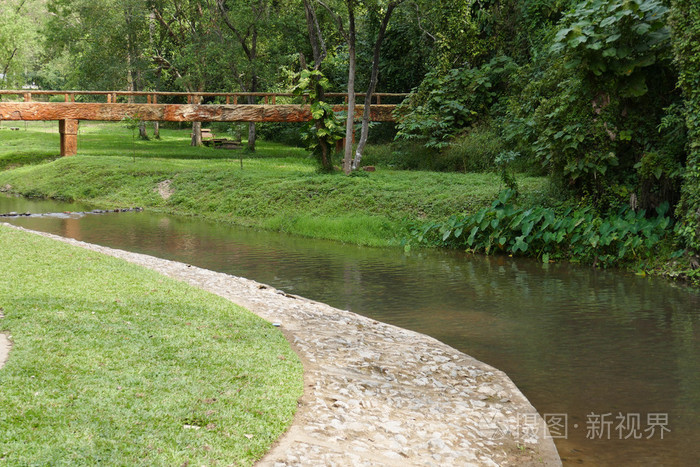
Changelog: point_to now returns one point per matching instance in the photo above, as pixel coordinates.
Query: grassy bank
(115, 364)
(277, 188)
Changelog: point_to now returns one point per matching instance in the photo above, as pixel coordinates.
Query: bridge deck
(175, 112)
(69, 112)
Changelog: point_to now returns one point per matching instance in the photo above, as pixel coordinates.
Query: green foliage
(517, 28)
(279, 188)
(325, 128)
(578, 235)
(403, 44)
(290, 134)
(18, 41)
(445, 104)
(504, 162)
(132, 123)
(599, 101)
(456, 34)
(617, 37)
(95, 44)
(685, 22)
(475, 150)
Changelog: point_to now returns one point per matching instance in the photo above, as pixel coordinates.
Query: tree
(319, 52)
(18, 41)
(685, 23)
(349, 33)
(364, 133)
(105, 40)
(251, 23)
(186, 47)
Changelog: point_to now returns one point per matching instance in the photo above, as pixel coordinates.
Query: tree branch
(165, 25)
(9, 62)
(420, 26)
(241, 38)
(337, 19)
(315, 35)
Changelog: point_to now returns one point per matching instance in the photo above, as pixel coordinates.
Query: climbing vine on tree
(325, 128)
(685, 21)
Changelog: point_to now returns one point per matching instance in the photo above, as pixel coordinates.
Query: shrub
(473, 151)
(443, 105)
(579, 235)
(685, 22)
(290, 134)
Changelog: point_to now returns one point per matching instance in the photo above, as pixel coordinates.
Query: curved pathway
(376, 394)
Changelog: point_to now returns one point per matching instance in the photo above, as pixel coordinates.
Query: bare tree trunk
(237, 133)
(372, 85)
(251, 126)
(349, 125)
(251, 136)
(196, 127)
(156, 130)
(196, 134)
(142, 130)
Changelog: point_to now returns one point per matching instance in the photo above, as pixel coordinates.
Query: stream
(615, 357)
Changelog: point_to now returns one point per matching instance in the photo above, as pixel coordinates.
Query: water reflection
(576, 341)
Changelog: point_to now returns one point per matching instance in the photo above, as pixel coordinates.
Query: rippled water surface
(577, 342)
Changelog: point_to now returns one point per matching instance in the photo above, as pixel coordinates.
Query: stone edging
(376, 394)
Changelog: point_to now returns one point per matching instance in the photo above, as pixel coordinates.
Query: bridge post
(69, 136)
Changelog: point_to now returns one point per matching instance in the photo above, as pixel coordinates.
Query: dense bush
(475, 150)
(598, 109)
(285, 133)
(444, 104)
(686, 43)
(579, 235)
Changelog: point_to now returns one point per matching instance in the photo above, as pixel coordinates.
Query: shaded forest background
(602, 96)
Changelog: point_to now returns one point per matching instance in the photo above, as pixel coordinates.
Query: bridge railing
(155, 97)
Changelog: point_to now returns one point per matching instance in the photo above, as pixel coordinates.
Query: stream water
(614, 356)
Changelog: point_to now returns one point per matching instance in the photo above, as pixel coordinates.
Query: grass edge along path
(277, 188)
(116, 364)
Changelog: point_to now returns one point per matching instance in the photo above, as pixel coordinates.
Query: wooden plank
(33, 111)
(69, 137)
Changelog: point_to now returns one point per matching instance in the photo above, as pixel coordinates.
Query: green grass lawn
(277, 188)
(116, 364)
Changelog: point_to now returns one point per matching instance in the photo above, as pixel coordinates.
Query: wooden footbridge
(118, 105)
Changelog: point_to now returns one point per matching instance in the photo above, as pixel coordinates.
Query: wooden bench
(207, 136)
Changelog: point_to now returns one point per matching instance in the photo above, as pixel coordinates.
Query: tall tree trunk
(253, 82)
(196, 126)
(251, 136)
(196, 134)
(318, 47)
(372, 85)
(251, 127)
(350, 123)
(142, 130)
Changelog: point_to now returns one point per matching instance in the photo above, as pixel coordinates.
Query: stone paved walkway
(376, 394)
